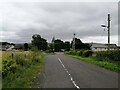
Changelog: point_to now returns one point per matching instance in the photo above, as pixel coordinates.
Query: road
(65, 72)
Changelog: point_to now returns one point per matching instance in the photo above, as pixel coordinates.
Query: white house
(10, 47)
(6, 46)
(102, 47)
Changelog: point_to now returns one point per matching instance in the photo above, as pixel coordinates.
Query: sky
(20, 20)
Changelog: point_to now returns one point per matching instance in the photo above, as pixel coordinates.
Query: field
(20, 67)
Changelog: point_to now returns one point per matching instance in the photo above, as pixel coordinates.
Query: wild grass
(20, 69)
(110, 65)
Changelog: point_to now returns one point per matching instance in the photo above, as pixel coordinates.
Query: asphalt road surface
(65, 72)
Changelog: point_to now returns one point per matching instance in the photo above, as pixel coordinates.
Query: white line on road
(69, 74)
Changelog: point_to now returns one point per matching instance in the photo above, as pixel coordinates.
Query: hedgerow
(113, 55)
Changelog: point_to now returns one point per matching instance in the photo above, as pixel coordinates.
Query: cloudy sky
(20, 20)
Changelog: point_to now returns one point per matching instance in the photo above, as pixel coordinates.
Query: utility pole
(108, 31)
(108, 27)
(74, 42)
(53, 43)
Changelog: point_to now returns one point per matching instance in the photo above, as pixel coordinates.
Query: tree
(80, 45)
(25, 46)
(39, 42)
(86, 46)
(67, 45)
(44, 44)
(58, 45)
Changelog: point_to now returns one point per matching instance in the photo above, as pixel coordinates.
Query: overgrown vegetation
(106, 59)
(20, 68)
(108, 55)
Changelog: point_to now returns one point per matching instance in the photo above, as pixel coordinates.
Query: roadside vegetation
(20, 67)
(106, 59)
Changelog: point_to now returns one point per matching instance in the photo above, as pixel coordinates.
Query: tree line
(56, 45)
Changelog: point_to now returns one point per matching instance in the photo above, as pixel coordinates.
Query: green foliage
(87, 53)
(58, 45)
(39, 42)
(8, 66)
(72, 52)
(34, 48)
(108, 55)
(105, 64)
(25, 46)
(80, 45)
(49, 51)
(67, 46)
(15, 68)
(80, 52)
(106, 59)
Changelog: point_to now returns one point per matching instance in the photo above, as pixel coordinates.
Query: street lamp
(103, 25)
(108, 27)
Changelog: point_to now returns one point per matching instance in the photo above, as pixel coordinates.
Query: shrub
(87, 53)
(113, 55)
(8, 66)
(21, 59)
(79, 53)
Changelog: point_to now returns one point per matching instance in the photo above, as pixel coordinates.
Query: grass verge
(24, 77)
(113, 66)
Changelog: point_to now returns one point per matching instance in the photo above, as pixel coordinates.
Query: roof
(100, 45)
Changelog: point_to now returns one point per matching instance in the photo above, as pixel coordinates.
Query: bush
(75, 52)
(108, 55)
(87, 53)
(8, 66)
(79, 53)
(22, 60)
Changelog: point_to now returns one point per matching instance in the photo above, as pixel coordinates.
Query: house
(5, 46)
(102, 47)
(10, 47)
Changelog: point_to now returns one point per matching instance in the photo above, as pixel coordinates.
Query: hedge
(113, 55)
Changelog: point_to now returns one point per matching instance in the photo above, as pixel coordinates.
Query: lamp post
(108, 27)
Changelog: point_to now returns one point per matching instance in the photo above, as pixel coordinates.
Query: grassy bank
(110, 65)
(20, 69)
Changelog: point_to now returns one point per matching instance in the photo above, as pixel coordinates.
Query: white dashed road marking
(69, 74)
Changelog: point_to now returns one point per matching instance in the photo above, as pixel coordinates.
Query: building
(102, 47)
(5, 46)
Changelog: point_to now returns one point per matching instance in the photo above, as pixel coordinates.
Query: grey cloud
(60, 20)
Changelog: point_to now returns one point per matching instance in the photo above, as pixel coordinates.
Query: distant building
(102, 47)
(5, 46)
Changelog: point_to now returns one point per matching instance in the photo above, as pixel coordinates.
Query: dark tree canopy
(39, 42)
(79, 44)
(58, 45)
(67, 45)
(26, 46)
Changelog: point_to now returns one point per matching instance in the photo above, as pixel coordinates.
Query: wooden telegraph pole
(108, 27)
(74, 42)
(108, 31)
